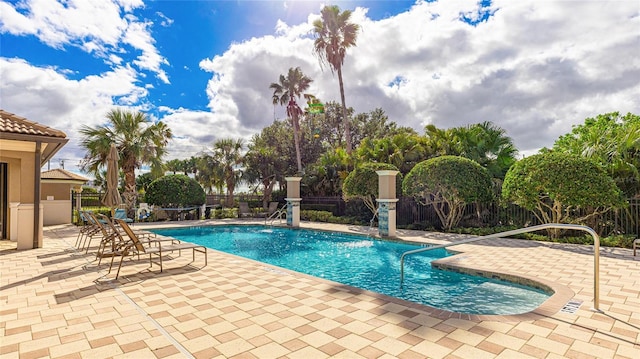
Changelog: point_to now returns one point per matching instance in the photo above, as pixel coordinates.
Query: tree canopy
(138, 140)
(175, 191)
(448, 183)
(611, 140)
(558, 186)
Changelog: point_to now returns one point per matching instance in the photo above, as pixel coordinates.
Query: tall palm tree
(227, 153)
(285, 91)
(335, 34)
(138, 141)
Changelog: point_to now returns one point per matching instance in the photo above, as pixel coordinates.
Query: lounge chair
(243, 210)
(110, 236)
(136, 247)
(88, 229)
(97, 229)
(273, 207)
(121, 213)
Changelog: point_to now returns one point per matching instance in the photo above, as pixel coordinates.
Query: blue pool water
(367, 263)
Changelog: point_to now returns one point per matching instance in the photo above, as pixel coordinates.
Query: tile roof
(59, 173)
(11, 123)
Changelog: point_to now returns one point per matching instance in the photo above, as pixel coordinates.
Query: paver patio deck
(55, 302)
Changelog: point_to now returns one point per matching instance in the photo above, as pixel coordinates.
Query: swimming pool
(367, 263)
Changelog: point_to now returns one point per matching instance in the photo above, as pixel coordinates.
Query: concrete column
(293, 201)
(22, 231)
(387, 203)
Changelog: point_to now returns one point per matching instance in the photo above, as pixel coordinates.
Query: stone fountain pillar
(387, 203)
(293, 201)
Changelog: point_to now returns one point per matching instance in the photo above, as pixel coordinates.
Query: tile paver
(56, 302)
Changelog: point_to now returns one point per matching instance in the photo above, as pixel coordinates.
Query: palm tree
(488, 145)
(138, 141)
(285, 91)
(173, 166)
(208, 173)
(335, 34)
(227, 153)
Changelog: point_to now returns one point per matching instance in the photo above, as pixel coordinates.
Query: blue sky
(535, 68)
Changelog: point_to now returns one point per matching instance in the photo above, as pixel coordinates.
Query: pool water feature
(367, 263)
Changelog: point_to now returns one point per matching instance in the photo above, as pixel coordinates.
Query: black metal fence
(413, 214)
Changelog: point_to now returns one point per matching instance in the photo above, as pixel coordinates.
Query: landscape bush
(175, 191)
(561, 188)
(448, 183)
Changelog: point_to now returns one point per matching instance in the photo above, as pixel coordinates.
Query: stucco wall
(21, 175)
(56, 212)
(20, 194)
(59, 191)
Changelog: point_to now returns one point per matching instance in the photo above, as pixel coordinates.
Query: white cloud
(47, 96)
(96, 27)
(533, 68)
(196, 131)
(166, 22)
(138, 36)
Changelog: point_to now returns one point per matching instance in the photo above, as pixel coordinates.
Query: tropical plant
(190, 165)
(330, 128)
(138, 142)
(613, 141)
(362, 183)
(143, 181)
(484, 143)
(174, 166)
(285, 91)
(403, 150)
(442, 142)
(209, 173)
(227, 154)
(374, 124)
(488, 145)
(334, 35)
(325, 176)
(448, 183)
(264, 164)
(555, 185)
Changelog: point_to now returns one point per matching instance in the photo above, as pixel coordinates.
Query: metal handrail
(277, 214)
(596, 251)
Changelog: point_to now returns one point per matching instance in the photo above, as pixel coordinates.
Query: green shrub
(221, 213)
(319, 207)
(553, 185)
(622, 241)
(175, 191)
(448, 183)
(315, 216)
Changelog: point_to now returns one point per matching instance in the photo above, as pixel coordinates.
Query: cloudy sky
(535, 68)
